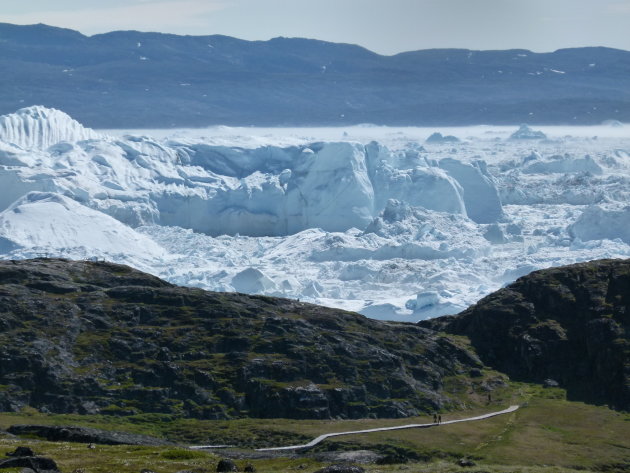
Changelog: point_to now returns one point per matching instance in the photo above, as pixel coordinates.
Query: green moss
(183, 454)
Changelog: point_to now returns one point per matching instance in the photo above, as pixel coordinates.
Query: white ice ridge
(216, 190)
(40, 127)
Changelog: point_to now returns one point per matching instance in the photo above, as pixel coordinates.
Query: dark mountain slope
(570, 324)
(96, 337)
(133, 79)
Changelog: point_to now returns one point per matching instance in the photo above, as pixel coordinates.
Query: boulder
(38, 464)
(21, 452)
(226, 465)
(550, 383)
(341, 468)
(466, 462)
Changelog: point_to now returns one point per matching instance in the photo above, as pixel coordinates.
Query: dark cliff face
(570, 324)
(97, 337)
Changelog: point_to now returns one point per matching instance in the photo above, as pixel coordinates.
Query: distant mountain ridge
(134, 79)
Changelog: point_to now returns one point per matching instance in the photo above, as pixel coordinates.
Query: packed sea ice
(374, 219)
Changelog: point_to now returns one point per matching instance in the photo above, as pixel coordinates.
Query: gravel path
(323, 437)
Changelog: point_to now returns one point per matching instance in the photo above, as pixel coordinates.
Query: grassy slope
(547, 434)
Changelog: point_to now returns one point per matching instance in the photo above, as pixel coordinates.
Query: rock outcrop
(56, 433)
(566, 326)
(24, 457)
(91, 337)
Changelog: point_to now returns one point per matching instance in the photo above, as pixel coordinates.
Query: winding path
(323, 437)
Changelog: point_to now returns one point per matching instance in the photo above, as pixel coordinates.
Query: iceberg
(39, 127)
(596, 223)
(47, 223)
(481, 197)
(253, 281)
(437, 137)
(526, 133)
(564, 164)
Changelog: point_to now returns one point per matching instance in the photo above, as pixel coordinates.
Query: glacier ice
(481, 197)
(48, 223)
(39, 127)
(361, 218)
(253, 281)
(262, 191)
(494, 234)
(437, 137)
(564, 164)
(430, 304)
(597, 223)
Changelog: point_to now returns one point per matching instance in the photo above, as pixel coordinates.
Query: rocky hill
(92, 337)
(132, 79)
(568, 325)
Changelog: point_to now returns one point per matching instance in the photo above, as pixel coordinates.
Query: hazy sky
(384, 26)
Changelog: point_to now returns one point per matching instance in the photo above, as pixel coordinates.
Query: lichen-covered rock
(88, 337)
(38, 464)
